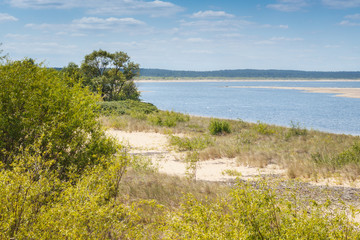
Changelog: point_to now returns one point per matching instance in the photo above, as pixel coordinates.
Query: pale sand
(339, 92)
(156, 147)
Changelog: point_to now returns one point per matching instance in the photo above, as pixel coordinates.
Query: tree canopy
(111, 74)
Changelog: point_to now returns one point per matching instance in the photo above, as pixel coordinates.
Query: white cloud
(332, 46)
(288, 5)
(104, 23)
(154, 8)
(342, 3)
(354, 16)
(354, 20)
(4, 17)
(216, 26)
(275, 40)
(285, 39)
(130, 7)
(348, 23)
(16, 36)
(196, 51)
(92, 23)
(212, 14)
(275, 26)
(191, 40)
(265, 42)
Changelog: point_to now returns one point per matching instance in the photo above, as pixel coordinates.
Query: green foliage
(111, 74)
(25, 190)
(72, 70)
(192, 159)
(231, 172)
(217, 127)
(126, 107)
(35, 204)
(190, 144)
(257, 213)
(43, 106)
(263, 128)
(351, 155)
(167, 118)
(348, 156)
(2, 57)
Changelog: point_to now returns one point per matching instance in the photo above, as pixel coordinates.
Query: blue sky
(320, 35)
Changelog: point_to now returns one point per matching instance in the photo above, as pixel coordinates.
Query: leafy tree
(112, 74)
(42, 106)
(2, 57)
(72, 70)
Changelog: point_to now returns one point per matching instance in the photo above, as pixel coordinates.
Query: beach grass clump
(191, 143)
(167, 118)
(296, 130)
(264, 129)
(218, 127)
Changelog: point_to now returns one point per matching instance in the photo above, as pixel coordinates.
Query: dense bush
(44, 107)
(258, 213)
(217, 127)
(126, 107)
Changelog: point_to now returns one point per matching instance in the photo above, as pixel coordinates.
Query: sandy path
(156, 147)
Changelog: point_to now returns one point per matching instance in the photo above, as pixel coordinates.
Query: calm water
(319, 111)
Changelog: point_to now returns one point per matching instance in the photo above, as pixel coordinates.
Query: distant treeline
(248, 73)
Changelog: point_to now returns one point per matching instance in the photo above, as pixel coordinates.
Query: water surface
(318, 111)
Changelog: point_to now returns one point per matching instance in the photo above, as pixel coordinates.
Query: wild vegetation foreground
(62, 177)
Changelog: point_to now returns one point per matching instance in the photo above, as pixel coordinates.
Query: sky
(201, 35)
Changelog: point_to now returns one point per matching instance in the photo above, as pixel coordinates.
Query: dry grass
(259, 144)
(167, 190)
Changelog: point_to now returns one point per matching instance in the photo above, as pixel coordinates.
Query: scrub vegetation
(306, 154)
(61, 177)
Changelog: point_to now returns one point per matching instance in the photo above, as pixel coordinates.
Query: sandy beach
(156, 147)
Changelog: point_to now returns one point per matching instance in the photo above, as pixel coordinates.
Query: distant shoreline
(339, 92)
(246, 80)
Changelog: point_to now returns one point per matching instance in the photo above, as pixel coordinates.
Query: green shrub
(348, 156)
(263, 128)
(217, 127)
(42, 106)
(126, 107)
(351, 155)
(257, 212)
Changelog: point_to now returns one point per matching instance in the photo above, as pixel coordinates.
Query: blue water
(318, 111)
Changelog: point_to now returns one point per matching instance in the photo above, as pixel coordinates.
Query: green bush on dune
(43, 107)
